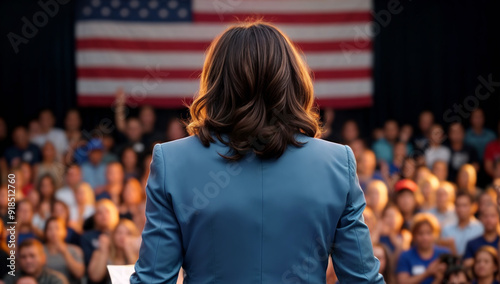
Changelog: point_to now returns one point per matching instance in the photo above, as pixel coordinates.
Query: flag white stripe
(348, 58)
(279, 7)
(194, 60)
(207, 32)
(154, 88)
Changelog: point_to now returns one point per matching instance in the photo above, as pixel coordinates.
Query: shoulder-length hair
(421, 219)
(492, 252)
(256, 88)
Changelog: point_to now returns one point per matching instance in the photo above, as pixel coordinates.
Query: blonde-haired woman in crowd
(377, 196)
(444, 210)
(421, 174)
(85, 204)
(133, 202)
(427, 190)
(119, 248)
(440, 170)
(96, 242)
(467, 178)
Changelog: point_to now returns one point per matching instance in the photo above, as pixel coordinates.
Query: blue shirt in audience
(480, 141)
(386, 240)
(72, 237)
(494, 282)
(95, 175)
(21, 237)
(463, 235)
(89, 241)
(411, 262)
(475, 244)
(383, 150)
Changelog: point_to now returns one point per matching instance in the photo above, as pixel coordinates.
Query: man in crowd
(492, 154)
(22, 150)
(32, 260)
(477, 135)
(425, 122)
(461, 153)
(94, 169)
(467, 228)
(383, 147)
(50, 133)
(489, 218)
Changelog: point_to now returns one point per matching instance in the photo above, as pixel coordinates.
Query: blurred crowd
(431, 195)
(79, 197)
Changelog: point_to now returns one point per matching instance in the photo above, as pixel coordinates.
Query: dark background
(428, 56)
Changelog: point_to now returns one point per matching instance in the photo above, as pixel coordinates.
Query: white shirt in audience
(56, 136)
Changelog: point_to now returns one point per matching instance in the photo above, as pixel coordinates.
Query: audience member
(477, 135)
(492, 154)
(49, 133)
(467, 227)
(461, 153)
(94, 169)
(32, 262)
(421, 263)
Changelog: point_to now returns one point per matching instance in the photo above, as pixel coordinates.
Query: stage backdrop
(154, 49)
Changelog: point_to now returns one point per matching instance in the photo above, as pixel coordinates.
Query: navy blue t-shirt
(474, 244)
(31, 155)
(494, 282)
(103, 195)
(89, 241)
(411, 262)
(386, 240)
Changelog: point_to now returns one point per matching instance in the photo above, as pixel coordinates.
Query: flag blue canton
(135, 10)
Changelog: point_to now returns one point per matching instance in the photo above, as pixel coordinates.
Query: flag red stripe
(180, 102)
(179, 46)
(296, 18)
(348, 102)
(132, 73)
(140, 45)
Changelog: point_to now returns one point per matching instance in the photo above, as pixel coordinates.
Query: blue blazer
(254, 221)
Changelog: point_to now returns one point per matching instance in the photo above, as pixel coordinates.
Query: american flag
(154, 49)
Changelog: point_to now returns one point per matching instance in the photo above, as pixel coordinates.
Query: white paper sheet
(120, 274)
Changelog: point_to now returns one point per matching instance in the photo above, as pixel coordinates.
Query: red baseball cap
(406, 184)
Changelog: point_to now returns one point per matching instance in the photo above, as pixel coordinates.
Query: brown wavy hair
(256, 88)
